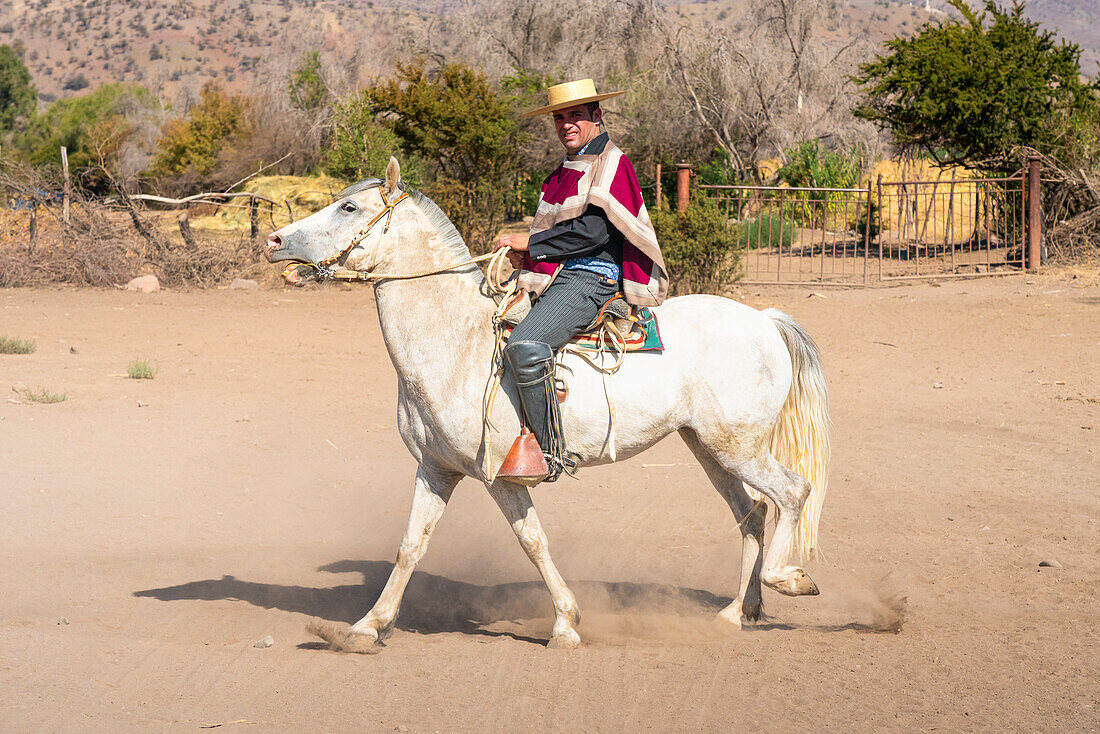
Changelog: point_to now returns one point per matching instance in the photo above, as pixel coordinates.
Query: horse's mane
(449, 236)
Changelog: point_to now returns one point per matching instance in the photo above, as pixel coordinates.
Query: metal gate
(798, 235)
(955, 227)
(891, 230)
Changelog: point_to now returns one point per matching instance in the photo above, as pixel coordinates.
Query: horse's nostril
(274, 242)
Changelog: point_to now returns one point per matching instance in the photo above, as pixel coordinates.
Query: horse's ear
(393, 175)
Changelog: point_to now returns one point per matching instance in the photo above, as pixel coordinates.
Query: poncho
(606, 180)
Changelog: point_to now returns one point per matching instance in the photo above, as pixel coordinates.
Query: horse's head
(346, 233)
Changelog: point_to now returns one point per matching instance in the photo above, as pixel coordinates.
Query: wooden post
(657, 201)
(33, 234)
(68, 185)
(867, 234)
(683, 182)
(253, 218)
(185, 231)
(1034, 213)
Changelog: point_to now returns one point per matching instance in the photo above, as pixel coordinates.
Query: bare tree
(768, 78)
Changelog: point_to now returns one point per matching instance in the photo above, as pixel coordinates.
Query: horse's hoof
(340, 638)
(731, 616)
(568, 640)
(797, 583)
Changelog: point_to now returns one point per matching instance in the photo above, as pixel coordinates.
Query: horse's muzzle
(274, 243)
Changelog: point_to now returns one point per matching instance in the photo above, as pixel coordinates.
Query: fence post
(867, 234)
(253, 218)
(878, 182)
(68, 185)
(1034, 213)
(33, 234)
(185, 231)
(657, 201)
(683, 179)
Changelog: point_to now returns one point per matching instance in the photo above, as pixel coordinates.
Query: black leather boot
(532, 366)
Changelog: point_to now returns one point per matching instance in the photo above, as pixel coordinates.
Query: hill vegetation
(800, 83)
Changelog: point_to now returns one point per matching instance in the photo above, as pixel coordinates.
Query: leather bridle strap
(322, 268)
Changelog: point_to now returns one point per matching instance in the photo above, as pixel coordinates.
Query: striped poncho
(606, 180)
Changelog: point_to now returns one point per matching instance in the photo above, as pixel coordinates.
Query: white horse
(744, 388)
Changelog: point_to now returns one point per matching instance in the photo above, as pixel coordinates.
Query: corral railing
(885, 230)
(951, 227)
(793, 235)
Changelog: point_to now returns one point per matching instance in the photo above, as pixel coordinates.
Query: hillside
(172, 48)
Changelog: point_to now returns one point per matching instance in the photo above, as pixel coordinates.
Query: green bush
(93, 128)
(978, 84)
(812, 166)
(307, 87)
(767, 229)
(699, 247)
(463, 127)
(17, 96)
(359, 146)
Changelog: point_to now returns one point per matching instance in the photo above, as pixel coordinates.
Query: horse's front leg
(515, 502)
(432, 491)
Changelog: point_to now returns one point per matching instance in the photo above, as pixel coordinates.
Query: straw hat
(565, 95)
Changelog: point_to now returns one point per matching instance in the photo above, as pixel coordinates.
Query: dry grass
(17, 346)
(42, 395)
(141, 370)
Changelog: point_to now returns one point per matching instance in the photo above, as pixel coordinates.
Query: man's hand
(517, 245)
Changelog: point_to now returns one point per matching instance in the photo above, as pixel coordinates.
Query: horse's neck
(435, 326)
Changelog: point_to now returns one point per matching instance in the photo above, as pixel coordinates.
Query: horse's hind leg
(432, 490)
(515, 502)
(789, 492)
(750, 519)
(759, 469)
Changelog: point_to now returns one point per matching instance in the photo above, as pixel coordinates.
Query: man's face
(577, 126)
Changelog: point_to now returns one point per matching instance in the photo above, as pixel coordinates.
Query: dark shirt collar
(595, 146)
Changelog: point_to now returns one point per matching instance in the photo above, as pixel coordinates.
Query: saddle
(637, 326)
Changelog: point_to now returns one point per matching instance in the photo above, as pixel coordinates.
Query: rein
(324, 272)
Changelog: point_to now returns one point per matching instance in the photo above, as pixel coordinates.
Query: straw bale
(940, 212)
(304, 195)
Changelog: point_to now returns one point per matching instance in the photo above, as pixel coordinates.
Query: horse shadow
(436, 604)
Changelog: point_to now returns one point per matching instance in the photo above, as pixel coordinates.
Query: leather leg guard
(532, 366)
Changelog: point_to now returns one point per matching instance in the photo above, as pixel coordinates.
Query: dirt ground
(154, 530)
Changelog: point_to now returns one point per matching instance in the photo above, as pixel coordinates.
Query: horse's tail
(800, 437)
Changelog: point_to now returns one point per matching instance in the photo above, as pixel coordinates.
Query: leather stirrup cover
(524, 464)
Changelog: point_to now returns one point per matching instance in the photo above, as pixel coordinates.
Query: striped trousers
(566, 308)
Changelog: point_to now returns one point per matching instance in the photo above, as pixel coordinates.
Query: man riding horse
(591, 242)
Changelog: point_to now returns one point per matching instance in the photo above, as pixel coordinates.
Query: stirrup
(525, 463)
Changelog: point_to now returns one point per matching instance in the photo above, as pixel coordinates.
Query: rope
(608, 333)
(363, 276)
(496, 367)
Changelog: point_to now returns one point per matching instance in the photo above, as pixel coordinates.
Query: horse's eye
(349, 206)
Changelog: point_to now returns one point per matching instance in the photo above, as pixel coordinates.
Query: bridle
(324, 272)
(498, 285)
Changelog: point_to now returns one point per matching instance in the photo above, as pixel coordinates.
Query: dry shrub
(98, 246)
(88, 250)
(1071, 214)
(211, 262)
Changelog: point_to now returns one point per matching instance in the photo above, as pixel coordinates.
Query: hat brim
(571, 103)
